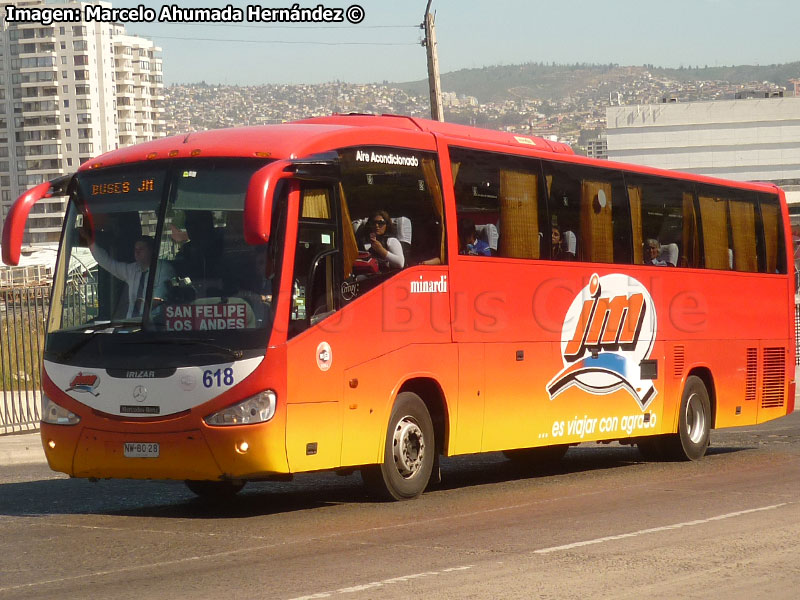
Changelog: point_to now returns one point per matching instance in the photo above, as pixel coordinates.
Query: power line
(314, 43)
(342, 27)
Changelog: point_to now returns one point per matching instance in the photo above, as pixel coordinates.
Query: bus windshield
(156, 252)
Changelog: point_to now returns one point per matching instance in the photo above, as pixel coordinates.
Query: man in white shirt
(136, 273)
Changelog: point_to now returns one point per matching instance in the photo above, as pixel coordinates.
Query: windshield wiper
(93, 331)
(234, 354)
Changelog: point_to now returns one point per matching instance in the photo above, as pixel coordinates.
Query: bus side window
(664, 210)
(501, 197)
(730, 230)
(404, 186)
(589, 211)
(772, 236)
(318, 261)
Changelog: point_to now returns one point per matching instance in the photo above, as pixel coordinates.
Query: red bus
(374, 292)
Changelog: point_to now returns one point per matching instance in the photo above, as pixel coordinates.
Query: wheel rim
(408, 447)
(695, 418)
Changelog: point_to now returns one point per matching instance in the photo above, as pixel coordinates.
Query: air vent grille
(678, 361)
(750, 387)
(773, 385)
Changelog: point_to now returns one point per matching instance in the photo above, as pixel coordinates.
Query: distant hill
(553, 81)
(777, 74)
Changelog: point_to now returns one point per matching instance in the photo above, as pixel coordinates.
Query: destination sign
(206, 317)
(123, 187)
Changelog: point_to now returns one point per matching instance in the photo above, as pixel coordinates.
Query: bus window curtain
(597, 230)
(432, 181)
(316, 204)
(714, 217)
(743, 228)
(349, 245)
(635, 200)
(519, 215)
(454, 167)
(769, 215)
(690, 246)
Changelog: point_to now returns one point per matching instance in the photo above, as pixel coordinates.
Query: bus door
(315, 356)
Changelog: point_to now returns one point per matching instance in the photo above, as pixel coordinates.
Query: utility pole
(434, 85)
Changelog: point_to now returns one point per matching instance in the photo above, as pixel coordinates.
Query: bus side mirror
(14, 226)
(17, 217)
(259, 200)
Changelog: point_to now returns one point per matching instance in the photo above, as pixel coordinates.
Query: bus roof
(309, 136)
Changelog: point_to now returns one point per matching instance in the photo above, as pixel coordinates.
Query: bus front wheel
(409, 452)
(694, 424)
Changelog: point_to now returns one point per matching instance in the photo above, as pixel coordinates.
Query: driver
(135, 273)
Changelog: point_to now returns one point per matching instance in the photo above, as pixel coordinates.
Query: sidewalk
(21, 449)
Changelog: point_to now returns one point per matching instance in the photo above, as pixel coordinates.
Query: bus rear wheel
(409, 452)
(215, 491)
(694, 424)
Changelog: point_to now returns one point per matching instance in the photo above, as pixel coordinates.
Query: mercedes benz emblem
(140, 393)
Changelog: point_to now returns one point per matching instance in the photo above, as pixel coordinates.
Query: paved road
(602, 524)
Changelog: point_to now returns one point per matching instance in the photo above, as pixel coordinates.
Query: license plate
(141, 449)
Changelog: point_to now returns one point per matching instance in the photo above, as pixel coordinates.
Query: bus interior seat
(669, 254)
(402, 227)
(570, 244)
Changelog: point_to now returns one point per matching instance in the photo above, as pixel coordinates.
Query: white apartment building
(752, 139)
(68, 92)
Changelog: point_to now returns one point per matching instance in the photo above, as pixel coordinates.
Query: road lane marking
(362, 587)
(350, 533)
(632, 534)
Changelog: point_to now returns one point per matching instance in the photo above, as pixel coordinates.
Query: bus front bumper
(202, 454)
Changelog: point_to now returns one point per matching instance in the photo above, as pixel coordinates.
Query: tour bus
(370, 293)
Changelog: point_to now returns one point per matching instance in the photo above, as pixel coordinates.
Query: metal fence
(23, 311)
(797, 334)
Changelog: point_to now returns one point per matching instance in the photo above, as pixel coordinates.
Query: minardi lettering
(429, 287)
(607, 324)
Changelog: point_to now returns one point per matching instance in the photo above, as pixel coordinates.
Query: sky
(385, 45)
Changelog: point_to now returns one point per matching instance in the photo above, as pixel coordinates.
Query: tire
(540, 456)
(694, 424)
(409, 452)
(215, 491)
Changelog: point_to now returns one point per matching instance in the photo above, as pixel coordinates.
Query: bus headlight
(256, 409)
(57, 415)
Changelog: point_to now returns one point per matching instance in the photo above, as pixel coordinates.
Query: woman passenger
(378, 237)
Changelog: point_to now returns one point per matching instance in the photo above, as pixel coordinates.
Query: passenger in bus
(652, 253)
(253, 282)
(135, 274)
(199, 258)
(468, 242)
(378, 237)
(557, 251)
